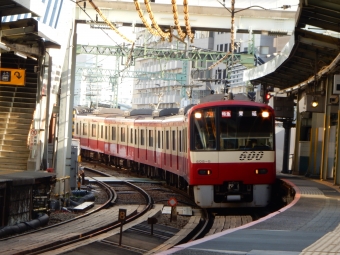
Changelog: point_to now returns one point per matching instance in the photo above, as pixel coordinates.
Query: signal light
(268, 96)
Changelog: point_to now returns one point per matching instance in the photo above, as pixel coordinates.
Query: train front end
(232, 154)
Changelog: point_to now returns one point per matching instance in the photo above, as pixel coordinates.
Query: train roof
(230, 103)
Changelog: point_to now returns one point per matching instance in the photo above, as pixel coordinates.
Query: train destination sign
(9, 76)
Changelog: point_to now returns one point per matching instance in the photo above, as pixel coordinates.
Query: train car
(222, 152)
(231, 154)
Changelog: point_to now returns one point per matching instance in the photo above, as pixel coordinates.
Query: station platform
(309, 225)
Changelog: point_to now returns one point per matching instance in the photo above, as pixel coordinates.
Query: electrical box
(336, 84)
(283, 106)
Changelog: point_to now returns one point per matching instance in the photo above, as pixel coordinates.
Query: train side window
(142, 137)
(113, 133)
(162, 140)
(180, 141)
(94, 130)
(122, 134)
(136, 136)
(105, 132)
(150, 138)
(77, 126)
(167, 140)
(159, 139)
(84, 128)
(185, 134)
(173, 140)
(101, 131)
(131, 135)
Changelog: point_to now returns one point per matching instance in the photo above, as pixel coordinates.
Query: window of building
(221, 47)
(264, 50)
(226, 47)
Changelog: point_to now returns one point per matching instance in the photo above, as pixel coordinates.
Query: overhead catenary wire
(95, 22)
(109, 22)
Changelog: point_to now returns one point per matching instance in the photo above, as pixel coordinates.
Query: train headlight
(265, 114)
(261, 171)
(198, 115)
(204, 172)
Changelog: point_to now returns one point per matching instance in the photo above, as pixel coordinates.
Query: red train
(222, 152)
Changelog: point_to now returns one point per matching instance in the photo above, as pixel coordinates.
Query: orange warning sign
(9, 76)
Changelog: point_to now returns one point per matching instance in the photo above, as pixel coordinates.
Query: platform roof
(23, 35)
(309, 51)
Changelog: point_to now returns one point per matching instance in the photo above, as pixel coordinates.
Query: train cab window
(167, 145)
(244, 128)
(173, 140)
(122, 134)
(204, 133)
(94, 130)
(113, 133)
(142, 137)
(84, 128)
(158, 139)
(150, 138)
(101, 131)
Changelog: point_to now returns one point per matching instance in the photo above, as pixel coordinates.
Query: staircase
(17, 105)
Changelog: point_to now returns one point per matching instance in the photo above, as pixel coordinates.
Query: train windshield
(233, 128)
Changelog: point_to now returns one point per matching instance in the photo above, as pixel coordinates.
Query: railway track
(101, 227)
(99, 221)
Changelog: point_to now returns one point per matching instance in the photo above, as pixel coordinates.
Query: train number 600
(251, 155)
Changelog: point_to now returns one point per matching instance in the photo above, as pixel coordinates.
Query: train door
(122, 143)
(158, 147)
(136, 135)
(151, 146)
(93, 136)
(173, 155)
(142, 144)
(106, 138)
(101, 141)
(113, 142)
(167, 151)
(180, 149)
(130, 147)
